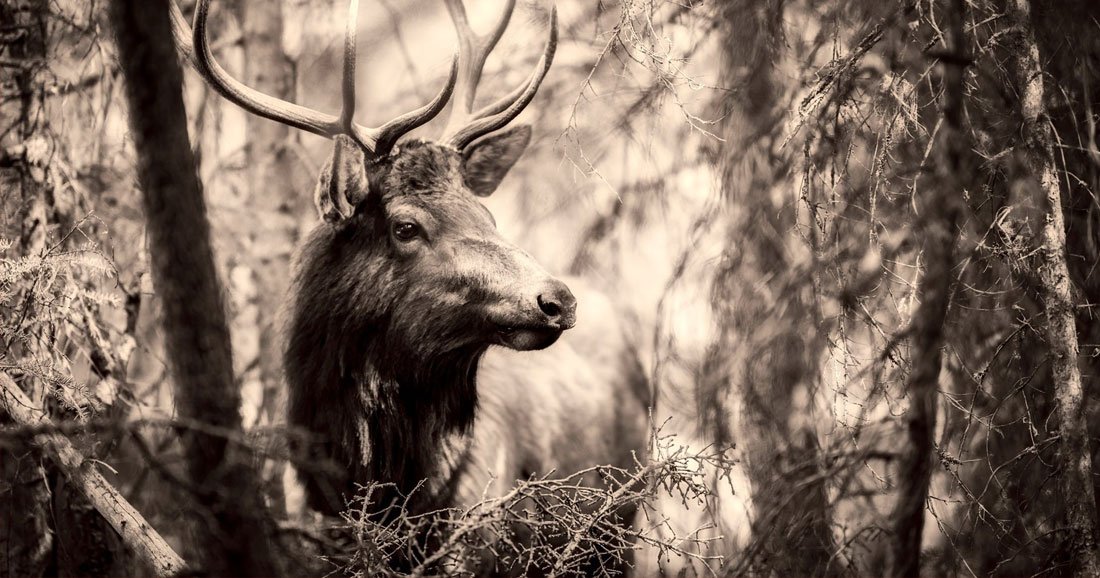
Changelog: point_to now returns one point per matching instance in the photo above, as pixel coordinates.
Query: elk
(422, 347)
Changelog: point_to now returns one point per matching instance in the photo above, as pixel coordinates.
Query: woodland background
(857, 243)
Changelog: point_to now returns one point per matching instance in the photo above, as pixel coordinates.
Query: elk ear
(343, 183)
(486, 161)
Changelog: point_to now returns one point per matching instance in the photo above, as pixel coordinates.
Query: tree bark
(270, 176)
(234, 530)
(50, 526)
(1076, 482)
(272, 195)
(26, 539)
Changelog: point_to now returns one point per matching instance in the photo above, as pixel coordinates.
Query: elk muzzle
(545, 311)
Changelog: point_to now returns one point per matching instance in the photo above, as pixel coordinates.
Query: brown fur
(390, 360)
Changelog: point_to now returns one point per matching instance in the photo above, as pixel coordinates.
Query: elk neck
(381, 410)
(415, 419)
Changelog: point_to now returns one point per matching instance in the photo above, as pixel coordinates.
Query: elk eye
(406, 231)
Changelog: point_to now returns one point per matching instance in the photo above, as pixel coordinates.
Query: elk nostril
(558, 304)
(549, 305)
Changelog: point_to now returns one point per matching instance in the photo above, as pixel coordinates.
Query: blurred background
(752, 182)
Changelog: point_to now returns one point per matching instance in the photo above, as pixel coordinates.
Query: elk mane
(381, 406)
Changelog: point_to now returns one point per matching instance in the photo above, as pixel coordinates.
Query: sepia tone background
(835, 229)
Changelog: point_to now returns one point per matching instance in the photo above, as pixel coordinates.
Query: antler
(195, 46)
(465, 125)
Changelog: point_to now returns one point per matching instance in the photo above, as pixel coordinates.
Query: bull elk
(401, 295)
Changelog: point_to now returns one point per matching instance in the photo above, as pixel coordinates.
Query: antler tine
(195, 46)
(503, 111)
(347, 85)
(387, 135)
(474, 50)
(247, 98)
(181, 33)
(381, 140)
(500, 103)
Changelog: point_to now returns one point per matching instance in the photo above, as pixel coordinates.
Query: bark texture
(271, 180)
(274, 199)
(1076, 481)
(26, 539)
(234, 532)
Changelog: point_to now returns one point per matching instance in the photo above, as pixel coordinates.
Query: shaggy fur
(387, 340)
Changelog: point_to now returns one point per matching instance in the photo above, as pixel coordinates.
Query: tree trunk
(71, 540)
(26, 539)
(941, 207)
(234, 531)
(769, 345)
(1076, 483)
(272, 196)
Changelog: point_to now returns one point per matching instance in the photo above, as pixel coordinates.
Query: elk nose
(558, 303)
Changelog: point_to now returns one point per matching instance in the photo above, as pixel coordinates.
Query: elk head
(406, 244)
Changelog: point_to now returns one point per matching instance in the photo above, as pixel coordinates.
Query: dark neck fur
(413, 416)
(377, 411)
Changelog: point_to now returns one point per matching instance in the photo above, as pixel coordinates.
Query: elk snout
(544, 311)
(558, 304)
